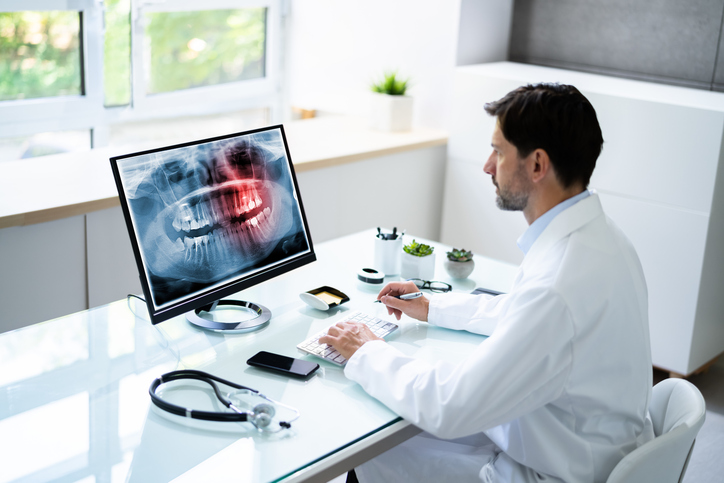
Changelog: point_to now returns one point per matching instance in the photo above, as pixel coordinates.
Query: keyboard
(381, 328)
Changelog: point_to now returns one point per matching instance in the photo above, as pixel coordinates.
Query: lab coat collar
(565, 223)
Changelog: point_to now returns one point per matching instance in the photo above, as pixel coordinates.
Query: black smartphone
(283, 364)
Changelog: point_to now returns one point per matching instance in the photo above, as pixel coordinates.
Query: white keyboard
(381, 328)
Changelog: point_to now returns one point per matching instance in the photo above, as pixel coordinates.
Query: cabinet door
(112, 270)
(42, 272)
(660, 152)
(401, 189)
(670, 244)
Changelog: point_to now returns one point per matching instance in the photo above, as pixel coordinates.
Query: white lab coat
(561, 386)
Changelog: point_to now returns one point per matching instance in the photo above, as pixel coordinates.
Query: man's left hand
(346, 337)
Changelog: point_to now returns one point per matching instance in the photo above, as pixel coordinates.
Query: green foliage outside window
(39, 54)
(117, 53)
(193, 49)
(40, 51)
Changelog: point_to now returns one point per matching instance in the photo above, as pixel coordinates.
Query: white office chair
(677, 410)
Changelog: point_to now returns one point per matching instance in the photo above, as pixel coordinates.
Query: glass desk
(74, 403)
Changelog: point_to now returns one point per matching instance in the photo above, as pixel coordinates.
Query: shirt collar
(530, 235)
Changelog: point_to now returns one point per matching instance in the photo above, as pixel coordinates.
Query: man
(560, 389)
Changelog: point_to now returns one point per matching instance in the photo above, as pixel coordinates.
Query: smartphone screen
(283, 364)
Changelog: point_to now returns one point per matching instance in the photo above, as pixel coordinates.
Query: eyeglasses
(440, 287)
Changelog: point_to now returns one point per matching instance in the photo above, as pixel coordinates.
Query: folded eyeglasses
(432, 286)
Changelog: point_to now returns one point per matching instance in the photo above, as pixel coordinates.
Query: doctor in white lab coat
(560, 389)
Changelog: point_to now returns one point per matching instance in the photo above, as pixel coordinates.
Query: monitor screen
(212, 217)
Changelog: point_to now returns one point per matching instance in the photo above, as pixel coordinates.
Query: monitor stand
(230, 316)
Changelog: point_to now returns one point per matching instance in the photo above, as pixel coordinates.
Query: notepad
(328, 298)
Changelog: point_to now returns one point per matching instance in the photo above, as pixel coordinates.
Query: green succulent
(459, 255)
(418, 249)
(390, 85)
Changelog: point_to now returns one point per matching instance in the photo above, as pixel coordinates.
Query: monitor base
(213, 315)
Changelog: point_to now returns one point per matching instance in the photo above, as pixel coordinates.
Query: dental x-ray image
(209, 213)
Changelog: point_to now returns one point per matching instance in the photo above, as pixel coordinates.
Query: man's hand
(346, 337)
(416, 308)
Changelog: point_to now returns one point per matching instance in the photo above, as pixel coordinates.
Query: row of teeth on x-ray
(232, 222)
(218, 211)
(242, 237)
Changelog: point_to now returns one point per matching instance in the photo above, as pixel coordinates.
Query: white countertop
(63, 185)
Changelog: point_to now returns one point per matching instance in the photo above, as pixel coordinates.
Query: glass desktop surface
(74, 402)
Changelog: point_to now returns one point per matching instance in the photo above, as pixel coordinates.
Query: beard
(509, 200)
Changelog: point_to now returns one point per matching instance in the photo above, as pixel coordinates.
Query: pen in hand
(405, 296)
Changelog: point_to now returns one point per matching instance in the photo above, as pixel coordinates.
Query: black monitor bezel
(159, 315)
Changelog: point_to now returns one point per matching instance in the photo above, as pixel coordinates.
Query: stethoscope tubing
(237, 416)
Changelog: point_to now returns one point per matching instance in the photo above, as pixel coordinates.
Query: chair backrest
(677, 411)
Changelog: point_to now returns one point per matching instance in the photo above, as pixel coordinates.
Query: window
(117, 53)
(92, 66)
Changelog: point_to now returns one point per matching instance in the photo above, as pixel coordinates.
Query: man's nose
(489, 166)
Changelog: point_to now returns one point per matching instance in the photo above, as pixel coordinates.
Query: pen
(405, 296)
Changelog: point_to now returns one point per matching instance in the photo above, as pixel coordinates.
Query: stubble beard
(507, 200)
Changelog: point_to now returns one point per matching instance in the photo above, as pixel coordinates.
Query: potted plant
(390, 107)
(459, 263)
(418, 261)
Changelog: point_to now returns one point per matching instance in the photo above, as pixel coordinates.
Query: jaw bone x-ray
(210, 212)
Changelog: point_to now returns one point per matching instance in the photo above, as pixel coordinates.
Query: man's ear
(540, 165)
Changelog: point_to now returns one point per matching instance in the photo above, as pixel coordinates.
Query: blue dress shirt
(530, 235)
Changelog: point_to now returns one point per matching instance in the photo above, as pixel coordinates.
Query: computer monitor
(210, 218)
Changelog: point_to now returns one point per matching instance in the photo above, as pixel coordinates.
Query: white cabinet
(112, 269)
(658, 179)
(42, 271)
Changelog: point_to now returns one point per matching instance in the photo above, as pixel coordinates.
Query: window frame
(78, 112)
(87, 111)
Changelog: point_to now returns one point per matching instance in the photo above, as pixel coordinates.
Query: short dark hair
(556, 118)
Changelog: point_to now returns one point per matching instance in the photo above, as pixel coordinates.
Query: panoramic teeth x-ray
(208, 212)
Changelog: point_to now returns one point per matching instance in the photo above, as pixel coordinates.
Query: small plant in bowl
(461, 255)
(418, 249)
(418, 261)
(459, 263)
(390, 85)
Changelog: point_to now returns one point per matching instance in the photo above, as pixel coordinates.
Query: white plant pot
(459, 269)
(390, 113)
(417, 267)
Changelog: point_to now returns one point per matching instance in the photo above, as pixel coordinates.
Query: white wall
(337, 48)
(484, 33)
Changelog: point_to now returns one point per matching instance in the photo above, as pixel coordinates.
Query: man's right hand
(415, 308)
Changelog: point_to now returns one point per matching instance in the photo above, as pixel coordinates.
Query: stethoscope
(260, 416)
